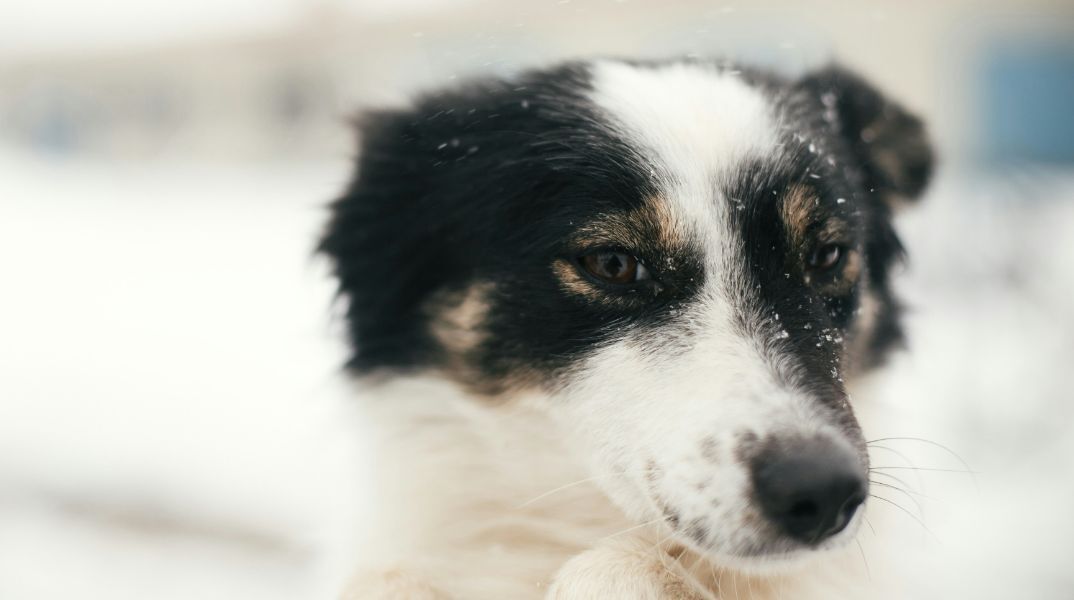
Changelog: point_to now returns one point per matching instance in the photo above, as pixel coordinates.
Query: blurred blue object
(1027, 103)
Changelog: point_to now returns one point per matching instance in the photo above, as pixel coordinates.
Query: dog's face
(686, 261)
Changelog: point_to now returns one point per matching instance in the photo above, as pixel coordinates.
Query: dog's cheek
(606, 405)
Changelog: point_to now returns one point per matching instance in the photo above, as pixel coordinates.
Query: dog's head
(687, 261)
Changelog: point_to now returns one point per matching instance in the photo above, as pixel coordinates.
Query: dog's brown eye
(826, 257)
(614, 267)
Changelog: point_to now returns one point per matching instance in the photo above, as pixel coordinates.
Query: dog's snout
(810, 489)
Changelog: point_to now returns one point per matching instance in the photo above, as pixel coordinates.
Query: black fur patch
(486, 182)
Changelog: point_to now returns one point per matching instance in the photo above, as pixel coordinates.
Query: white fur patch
(696, 123)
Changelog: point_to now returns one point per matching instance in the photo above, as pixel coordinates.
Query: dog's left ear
(891, 144)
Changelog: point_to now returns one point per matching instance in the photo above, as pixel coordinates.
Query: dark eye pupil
(613, 267)
(826, 256)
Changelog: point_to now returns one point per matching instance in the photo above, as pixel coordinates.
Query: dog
(606, 317)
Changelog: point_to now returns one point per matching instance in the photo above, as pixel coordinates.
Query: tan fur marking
(657, 214)
(573, 282)
(457, 321)
(796, 210)
(853, 267)
(861, 335)
(650, 224)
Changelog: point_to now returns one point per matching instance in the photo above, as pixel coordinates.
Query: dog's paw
(390, 585)
(627, 570)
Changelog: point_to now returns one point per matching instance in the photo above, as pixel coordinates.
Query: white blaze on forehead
(695, 123)
(698, 127)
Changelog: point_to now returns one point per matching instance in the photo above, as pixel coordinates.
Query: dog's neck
(465, 482)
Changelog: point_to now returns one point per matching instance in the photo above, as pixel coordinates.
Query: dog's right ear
(387, 243)
(890, 143)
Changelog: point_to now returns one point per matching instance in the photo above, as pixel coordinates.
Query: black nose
(809, 488)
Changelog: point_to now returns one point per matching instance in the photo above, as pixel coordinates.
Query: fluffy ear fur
(384, 243)
(446, 191)
(892, 145)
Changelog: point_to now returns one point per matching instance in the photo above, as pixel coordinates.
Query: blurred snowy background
(172, 423)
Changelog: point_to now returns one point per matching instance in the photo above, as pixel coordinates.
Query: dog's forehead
(696, 124)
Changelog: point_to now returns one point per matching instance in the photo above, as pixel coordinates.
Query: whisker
(926, 469)
(920, 509)
(894, 478)
(556, 490)
(901, 455)
(664, 555)
(946, 449)
(719, 581)
(908, 513)
(869, 523)
(919, 494)
(868, 571)
(689, 571)
(906, 459)
(576, 483)
(666, 538)
(715, 578)
(634, 528)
